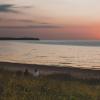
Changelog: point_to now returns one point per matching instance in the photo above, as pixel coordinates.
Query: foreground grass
(17, 86)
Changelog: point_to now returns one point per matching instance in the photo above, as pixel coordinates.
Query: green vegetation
(19, 86)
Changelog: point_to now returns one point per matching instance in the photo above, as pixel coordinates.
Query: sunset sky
(50, 19)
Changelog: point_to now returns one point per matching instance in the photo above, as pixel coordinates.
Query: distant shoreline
(11, 38)
(75, 72)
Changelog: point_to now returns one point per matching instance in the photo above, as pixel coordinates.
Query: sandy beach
(79, 73)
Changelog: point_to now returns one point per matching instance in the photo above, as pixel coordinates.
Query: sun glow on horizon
(51, 19)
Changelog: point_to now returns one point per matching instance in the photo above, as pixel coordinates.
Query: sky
(50, 19)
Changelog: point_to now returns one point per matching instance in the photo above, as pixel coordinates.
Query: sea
(76, 53)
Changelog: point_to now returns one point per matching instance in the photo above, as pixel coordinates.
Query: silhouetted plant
(26, 72)
(19, 73)
(50, 87)
(1, 88)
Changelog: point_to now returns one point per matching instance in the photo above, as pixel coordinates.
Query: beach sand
(79, 73)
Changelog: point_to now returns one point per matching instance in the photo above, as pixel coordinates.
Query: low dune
(79, 73)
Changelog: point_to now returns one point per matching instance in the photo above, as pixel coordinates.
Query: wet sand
(79, 73)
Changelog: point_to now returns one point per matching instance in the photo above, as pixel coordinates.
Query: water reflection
(78, 56)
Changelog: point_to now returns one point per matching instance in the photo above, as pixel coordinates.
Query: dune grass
(21, 86)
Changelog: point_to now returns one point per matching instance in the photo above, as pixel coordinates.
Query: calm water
(64, 53)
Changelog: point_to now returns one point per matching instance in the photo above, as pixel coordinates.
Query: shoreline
(75, 72)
